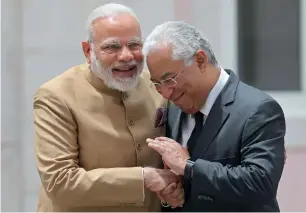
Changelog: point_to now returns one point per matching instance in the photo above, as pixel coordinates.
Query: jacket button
(139, 147)
(124, 96)
(131, 121)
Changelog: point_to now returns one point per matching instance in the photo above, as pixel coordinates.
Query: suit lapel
(178, 126)
(217, 117)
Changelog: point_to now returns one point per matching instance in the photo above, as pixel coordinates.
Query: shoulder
(257, 108)
(145, 76)
(63, 83)
(251, 99)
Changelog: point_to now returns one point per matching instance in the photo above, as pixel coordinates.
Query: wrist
(148, 175)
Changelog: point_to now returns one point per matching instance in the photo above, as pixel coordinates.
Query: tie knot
(198, 117)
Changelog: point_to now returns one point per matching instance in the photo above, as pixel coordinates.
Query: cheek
(182, 85)
(138, 56)
(107, 60)
(189, 85)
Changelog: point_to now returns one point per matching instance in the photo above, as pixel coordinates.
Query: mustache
(125, 64)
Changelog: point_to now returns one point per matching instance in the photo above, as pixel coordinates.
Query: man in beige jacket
(91, 123)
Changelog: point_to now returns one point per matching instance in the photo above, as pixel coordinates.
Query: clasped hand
(166, 183)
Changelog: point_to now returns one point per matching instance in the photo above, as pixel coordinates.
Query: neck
(209, 79)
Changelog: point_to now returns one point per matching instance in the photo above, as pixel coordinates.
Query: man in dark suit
(234, 133)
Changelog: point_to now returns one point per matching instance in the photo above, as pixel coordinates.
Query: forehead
(123, 27)
(160, 62)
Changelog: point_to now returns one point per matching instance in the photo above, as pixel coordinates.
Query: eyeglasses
(114, 47)
(169, 82)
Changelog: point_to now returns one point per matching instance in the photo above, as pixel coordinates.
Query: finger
(156, 146)
(172, 144)
(169, 189)
(162, 144)
(182, 197)
(161, 147)
(177, 202)
(174, 203)
(177, 192)
(177, 197)
(160, 196)
(166, 139)
(156, 142)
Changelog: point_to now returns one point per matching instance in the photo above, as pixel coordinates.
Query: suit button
(139, 147)
(131, 121)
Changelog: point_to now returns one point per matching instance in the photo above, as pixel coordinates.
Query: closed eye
(112, 46)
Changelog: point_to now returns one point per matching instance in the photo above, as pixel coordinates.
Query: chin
(189, 111)
(185, 109)
(125, 84)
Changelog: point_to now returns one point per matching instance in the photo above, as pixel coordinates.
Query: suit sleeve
(262, 162)
(57, 158)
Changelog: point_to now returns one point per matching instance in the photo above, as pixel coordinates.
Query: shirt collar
(214, 93)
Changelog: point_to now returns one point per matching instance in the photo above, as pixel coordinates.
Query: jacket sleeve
(57, 158)
(262, 161)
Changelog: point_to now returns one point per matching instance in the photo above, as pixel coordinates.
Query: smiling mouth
(127, 69)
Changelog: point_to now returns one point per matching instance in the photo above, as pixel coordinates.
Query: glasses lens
(134, 46)
(169, 82)
(111, 48)
(157, 85)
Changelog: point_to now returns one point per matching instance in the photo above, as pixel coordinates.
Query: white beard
(105, 73)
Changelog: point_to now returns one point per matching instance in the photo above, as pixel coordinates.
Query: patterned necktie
(196, 131)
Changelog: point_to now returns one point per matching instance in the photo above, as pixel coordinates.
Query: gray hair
(106, 10)
(184, 39)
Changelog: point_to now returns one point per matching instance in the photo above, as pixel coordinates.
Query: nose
(125, 55)
(166, 92)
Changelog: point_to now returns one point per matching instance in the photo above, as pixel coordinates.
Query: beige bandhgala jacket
(90, 143)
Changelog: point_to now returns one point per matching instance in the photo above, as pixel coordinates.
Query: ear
(201, 59)
(86, 50)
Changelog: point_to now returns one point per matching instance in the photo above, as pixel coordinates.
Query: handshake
(166, 184)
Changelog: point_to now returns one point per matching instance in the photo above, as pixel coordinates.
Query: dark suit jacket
(239, 156)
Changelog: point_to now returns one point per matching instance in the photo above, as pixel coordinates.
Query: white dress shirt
(189, 122)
